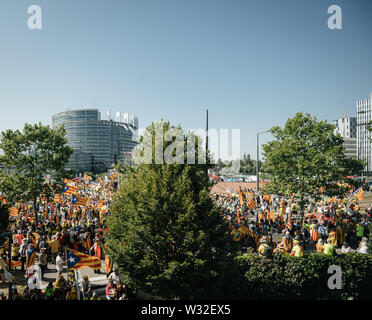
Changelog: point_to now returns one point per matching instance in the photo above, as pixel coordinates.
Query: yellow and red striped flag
(270, 215)
(108, 264)
(99, 204)
(77, 260)
(289, 222)
(13, 211)
(359, 194)
(251, 204)
(15, 264)
(77, 201)
(57, 198)
(70, 190)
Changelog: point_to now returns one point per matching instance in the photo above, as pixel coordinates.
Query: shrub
(287, 277)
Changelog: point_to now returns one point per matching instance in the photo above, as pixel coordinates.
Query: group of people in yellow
(333, 225)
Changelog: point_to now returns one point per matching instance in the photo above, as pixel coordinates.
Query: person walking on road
(97, 251)
(60, 262)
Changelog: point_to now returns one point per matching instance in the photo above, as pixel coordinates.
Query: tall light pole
(206, 142)
(258, 158)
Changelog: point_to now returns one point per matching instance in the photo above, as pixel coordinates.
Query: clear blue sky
(252, 63)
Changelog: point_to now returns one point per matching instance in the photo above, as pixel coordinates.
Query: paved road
(97, 280)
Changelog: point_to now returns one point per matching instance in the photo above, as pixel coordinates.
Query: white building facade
(347, 128)
(364, 116)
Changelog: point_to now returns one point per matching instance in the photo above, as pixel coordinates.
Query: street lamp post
(258, 158)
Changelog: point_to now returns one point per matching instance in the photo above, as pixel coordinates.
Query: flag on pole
(241, 196)
(289, 222)
(30, 257)
(77, 260)
(70, 190)
(77, 201)
(13, 211)
(99, 204)
(57, 198)
(251, 204)
(359, 194)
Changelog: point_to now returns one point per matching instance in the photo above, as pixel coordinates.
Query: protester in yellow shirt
(297, 250)
(54, 248)
(319, 245)
(328, 248)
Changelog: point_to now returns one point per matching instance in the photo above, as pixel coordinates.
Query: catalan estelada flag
(251, 204)
(57, 198)
(13, 211)
(289, 222)
(108, 264)
(87, 244)
(70, 190)
(99, 204)
(77, 260)
(359, 194)
(77, 201)
(30, 257)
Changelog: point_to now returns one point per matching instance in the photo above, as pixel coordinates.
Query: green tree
(295, 278)
(165, 234)
(305, 156)
(29, 158)
(247, 165)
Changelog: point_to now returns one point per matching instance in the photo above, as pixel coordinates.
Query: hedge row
(287, 277)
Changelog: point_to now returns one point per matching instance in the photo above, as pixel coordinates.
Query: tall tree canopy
(305, 156)
(29, 157)
(165, 234)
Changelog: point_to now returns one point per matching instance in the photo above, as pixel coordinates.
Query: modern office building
(97, 143)
(364, 116)
(350, 145)
(347, 128)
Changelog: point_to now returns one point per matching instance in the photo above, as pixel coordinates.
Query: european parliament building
(97, 143)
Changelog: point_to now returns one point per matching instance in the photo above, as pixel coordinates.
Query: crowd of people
(273, 223)
(74, 219)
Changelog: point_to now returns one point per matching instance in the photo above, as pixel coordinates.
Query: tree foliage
(286, 277)
(305, 156)
(247, 165)
(29, 157)
(166, 235)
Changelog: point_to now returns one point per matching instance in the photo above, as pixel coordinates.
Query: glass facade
(97, 143)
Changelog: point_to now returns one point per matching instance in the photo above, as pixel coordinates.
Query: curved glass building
(97, 143)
